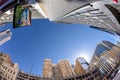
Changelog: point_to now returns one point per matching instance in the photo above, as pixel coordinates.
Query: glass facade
(83, 62)
(100, 49)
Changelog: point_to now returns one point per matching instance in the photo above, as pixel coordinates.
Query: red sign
(2, 2)
(115, 1)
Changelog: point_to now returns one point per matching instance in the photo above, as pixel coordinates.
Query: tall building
(57, 9)
(99, 14)
(5, 36)
(8, 69)
(41, 14)
(55, 72)
(6, 17)
(26, 76)
(47, 69)
(104, 64)
(64, 69)
(80, 66)
(100, 48)
(108, 63)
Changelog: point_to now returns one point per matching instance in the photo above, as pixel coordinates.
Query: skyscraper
(102, 14)
(5, 36)
(47, 69)
(80, 66)
(64, 69)
(58, 9)
(109, 61)
(8, 69)
(101, 48)
(55, 72)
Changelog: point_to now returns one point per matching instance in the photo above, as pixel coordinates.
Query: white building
(5, 36)
(95, 13)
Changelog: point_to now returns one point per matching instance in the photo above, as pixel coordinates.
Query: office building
(8, 69)
(6, 17)
(98, 14)
(5, 36)
(57, 9)
(64, 69)
(26, 76)
(100, 48)
(39, 11)
(47, 69)
(55, 72)
(109, 62)
(101, 15)
(80, 66)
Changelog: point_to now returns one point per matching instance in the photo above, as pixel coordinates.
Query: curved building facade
(58, 8)
(91, 75)
(25, 76)
(101, 15)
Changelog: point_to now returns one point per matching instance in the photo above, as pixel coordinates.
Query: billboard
(22, 16)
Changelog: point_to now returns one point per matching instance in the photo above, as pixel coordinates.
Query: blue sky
(48, 40)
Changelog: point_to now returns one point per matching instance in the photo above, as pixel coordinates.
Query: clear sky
(48, 40)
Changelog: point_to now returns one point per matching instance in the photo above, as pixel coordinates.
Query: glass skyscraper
(102, 47)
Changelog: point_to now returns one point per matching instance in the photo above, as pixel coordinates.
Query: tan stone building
(64, 69)
(78, 68)
(47, 69)
(8, 69)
